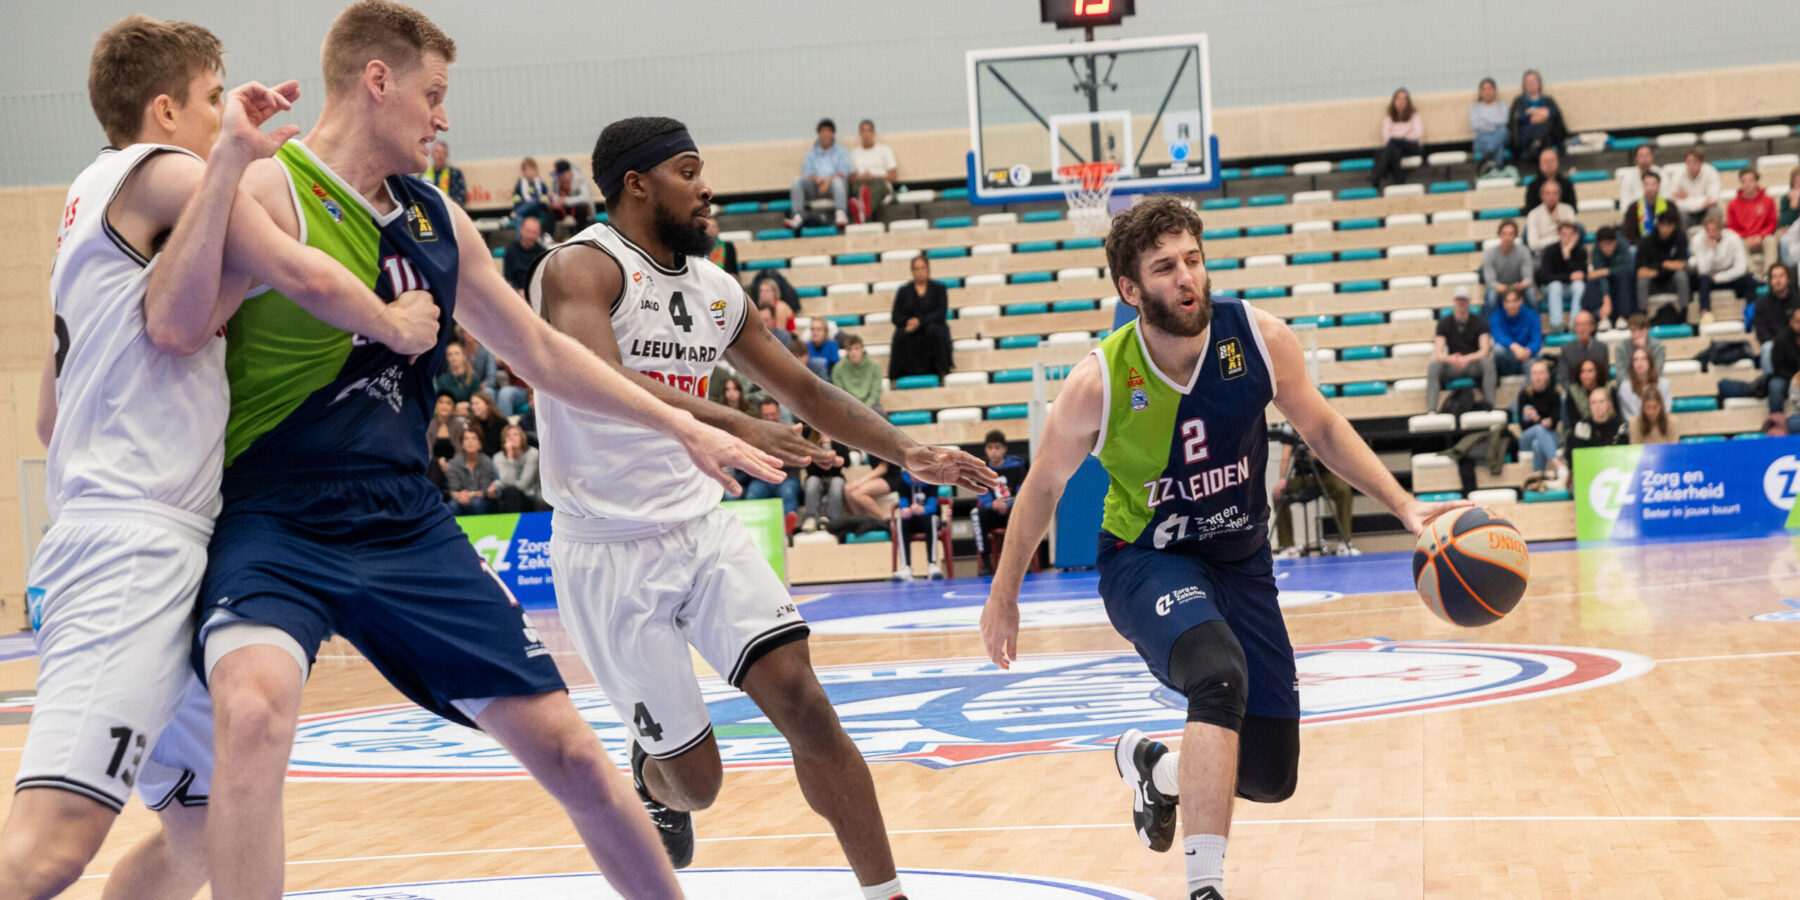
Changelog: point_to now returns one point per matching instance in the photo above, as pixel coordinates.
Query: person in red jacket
(1751, 214)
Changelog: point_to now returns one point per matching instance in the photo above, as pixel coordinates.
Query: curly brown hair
(140, 59)
(1141, 226)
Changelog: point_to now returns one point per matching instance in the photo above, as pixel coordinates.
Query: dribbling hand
(1000, 627)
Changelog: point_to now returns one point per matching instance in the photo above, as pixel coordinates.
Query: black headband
(642, 158)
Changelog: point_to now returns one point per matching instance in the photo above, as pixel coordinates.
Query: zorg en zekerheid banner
(1736, 487)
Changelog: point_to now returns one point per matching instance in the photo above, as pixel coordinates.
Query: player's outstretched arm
(224, 241)
(1069, 436)
(1330, 435)
(829, 408)
(579, 286)
(560, 366)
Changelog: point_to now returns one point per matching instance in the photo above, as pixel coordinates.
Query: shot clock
(1086, 13)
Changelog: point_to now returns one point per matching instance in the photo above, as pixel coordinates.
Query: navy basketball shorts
(1154, 596)
(382, 562)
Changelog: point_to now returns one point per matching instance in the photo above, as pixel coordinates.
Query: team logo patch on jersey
(955, 712)
(741, 884)
(718, 312)
(331, 207)
(1139, 399)
(1231, 359)
(420, 224)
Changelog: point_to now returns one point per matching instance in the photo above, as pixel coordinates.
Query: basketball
(1471, 567)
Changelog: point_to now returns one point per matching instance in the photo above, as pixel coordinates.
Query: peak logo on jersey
(718, 312)
(420, 224)
(1133, 379)
(954, 712)
(1231, 359)
(741, 884)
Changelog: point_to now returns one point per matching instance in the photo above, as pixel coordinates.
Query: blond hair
(382, 30)
(139, 59)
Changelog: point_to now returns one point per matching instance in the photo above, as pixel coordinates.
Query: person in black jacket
(1602, 427)
(921, 336)
(1784, 361)
(1535, 121)
(522, 253)
(1768, 318)
(1549, 169)
(1662, 261)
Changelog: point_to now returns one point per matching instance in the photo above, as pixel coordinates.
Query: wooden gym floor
(1635, 736)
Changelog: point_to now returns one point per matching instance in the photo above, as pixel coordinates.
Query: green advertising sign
(1602, 486)
(764, 520)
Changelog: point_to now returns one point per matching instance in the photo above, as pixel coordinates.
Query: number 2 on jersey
(1193, 440)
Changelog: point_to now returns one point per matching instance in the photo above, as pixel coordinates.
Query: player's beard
(679, 233)
(1167, 316)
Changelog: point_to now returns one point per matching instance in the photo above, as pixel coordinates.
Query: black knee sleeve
(1207, 664)
(1268, 759)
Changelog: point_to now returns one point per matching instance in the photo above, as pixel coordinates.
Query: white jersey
(132, 423)
(610, 480)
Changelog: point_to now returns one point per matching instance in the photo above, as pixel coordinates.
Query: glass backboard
(1142, 103)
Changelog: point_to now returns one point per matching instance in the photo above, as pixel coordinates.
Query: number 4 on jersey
(678, 312)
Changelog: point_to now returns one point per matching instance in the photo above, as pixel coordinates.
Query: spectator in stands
(1640, 216)
(1790, 244)
(1751, 213)
(1719, 260)
(771, 289)
(1695, 188)
(1402, 134)
(1539, 410)
(822, 174)
(447, 177)
(1769, 316)
(921, 344)
(1612, 278)
(1517, 331)
(824, 483)
(1784, 362)
(471, 481)
(1464, 349)
(516, 469)
(857, 374)
(724, 253)
(523, 253)
(1535, 121)
(487, 420)
(734, 396)
(821, 346)
(994, 508)
(1508, 264)
(530, 195)
(1601, 427)
(1790, 202)
(1662, 261)
(487, 370)
(873, 174)
(1653, 424)
(443, 435)
(1295, 485)
(1562, 268)
(1584, 347)
(1487, 121)
(803, 352)
(1541, 222)
(867, 495)
(1590, 376)
(1639, 381)
(918, 515)
(769, 409)
(1549, 172)
(1639, 325)
(1631, 182)
(459, 379)
(571, 196)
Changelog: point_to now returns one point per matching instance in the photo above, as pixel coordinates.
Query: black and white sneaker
(674, 826)
(1207, 893)
(1152, 812)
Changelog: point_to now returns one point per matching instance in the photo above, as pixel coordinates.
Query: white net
(1089, 188)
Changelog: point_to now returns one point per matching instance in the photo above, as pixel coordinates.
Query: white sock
(1205, 860)
(1162, 775)
(885, 891)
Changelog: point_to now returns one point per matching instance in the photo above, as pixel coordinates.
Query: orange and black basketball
(1471, 566)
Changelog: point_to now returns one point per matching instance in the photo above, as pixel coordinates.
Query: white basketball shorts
(118, 706)
(633, 607)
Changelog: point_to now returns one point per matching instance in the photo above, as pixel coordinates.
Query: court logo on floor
(943, 713)
(1791, 614)
(743, 884)
(1073, 609)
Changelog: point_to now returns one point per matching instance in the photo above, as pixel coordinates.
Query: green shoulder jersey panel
(277, 354)
(1138, 429)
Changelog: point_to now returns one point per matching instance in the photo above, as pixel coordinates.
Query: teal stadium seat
(1360, 286)
(1366, 317)
(910, 417)
(1315, 321)
(1329, 390)
(1365, 164)
(1265, 231)
(1731, 165)
(1036, 308)
(1062, 306)
(1268, 200)
(868, 537)
(603, 217)
(1748, 436)
(1223, 262)
(1448, 247)
(1671, 332)
(1505, 212)
(779, 206)
(1041, 215)
(1013, 376)
(499, 252)
(759, 264)
(1587, 175)
(1557, 340)
(1027, 278)
(1703, 439)
(1448, 187)
(1457, 384)
(1357, 354)
(1221, 203)
(915, 382)
(740, 207)
(1018, 342)
(1034, 247)
(845, 320)
(951, 281)
(818, 231)
(1008, 411)
(1360, 254)
(1627, 144)
(1546, 496)
(955, 193)
(952, 222)
(1084, 243)
(1358, 193)
(1310, 258)
(1264, 293)
(1365, 389)
(1694, 404)
(946, 252)
(857, 259)
(775, 234)
(1230, 173)
(1221, 234)
(1268, 171)
(1441, 497)
(810, 291)
(1358, 224)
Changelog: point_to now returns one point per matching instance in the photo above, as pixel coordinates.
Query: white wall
(533, 75)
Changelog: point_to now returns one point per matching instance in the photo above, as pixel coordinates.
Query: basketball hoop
(1089, 186)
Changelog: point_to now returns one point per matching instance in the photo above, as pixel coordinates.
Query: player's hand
(939, 465)
(714, 451)
(412, 321)
(781, 442)
(1417, 514)
(247, 107)
(1000, 627)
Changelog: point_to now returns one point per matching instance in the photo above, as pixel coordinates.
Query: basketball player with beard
(1172, 404)
(646, 563)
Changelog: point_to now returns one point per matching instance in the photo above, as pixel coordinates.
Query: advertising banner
(517, 546)
(1721, 488)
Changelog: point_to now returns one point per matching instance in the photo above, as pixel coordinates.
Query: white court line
(1369, 820)
(1728, 656)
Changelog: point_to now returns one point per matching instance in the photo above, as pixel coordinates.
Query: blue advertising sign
(1738, 487)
